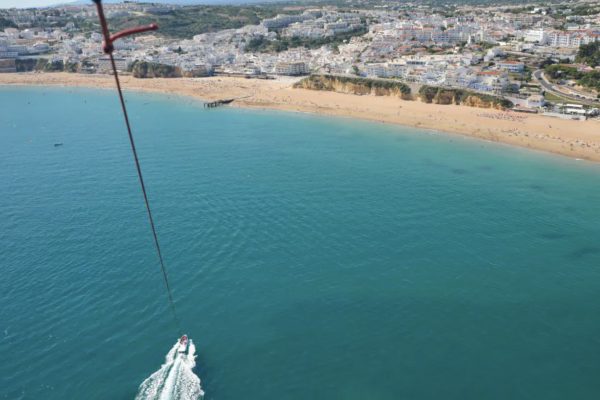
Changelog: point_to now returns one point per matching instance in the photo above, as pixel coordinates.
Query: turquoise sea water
(310, 258)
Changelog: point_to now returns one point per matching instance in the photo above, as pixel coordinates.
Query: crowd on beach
(506, 116)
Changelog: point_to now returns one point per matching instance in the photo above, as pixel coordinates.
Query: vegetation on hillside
(520, 10)
(569, 72)
(589, 54)
(366, 4)
(584, 9)
(591, 80)
(561, 71)
(265, 45)
(185, 22)
(6, 23)
(439, 95)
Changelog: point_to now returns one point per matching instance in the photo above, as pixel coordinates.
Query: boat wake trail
(175, 380)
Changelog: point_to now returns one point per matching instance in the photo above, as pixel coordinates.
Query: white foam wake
(175, 379)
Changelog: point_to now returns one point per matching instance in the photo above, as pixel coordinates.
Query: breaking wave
(175, 380)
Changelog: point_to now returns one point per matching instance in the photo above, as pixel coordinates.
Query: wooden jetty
(218, 103)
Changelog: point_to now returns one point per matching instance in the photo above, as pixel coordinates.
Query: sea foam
(175, 380)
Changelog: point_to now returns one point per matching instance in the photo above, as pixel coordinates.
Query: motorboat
(183, 344)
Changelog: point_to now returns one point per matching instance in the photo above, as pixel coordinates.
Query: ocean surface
(310, 257)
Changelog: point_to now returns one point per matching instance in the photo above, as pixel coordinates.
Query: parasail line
(108, 49)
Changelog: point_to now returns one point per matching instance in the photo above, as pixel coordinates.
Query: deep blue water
(310, 258)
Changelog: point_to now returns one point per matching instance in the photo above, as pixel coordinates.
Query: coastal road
(539, 77)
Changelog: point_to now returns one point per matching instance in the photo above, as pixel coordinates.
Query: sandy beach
(577, 139)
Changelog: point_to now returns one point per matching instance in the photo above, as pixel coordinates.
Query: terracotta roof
(489, 73)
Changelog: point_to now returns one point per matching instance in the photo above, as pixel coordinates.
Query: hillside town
(500, 50)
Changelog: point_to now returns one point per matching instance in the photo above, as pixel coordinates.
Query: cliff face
(143, 69)
(474, 101)
(438, 95)
(358, 86)
(377, 91)
(379, 87)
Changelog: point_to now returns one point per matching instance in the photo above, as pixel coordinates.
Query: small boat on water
(183, 344)
(58, 144)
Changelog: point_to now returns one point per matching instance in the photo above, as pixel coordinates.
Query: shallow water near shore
(310, 257)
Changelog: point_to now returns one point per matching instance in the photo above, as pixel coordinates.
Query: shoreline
(571, 138)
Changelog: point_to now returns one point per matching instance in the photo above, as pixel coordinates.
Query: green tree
(591, 80)
(562, 71)
(589, 54)
(6, 23)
